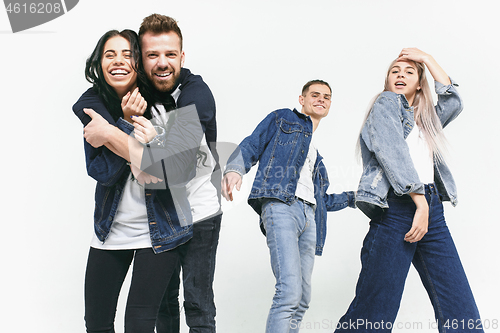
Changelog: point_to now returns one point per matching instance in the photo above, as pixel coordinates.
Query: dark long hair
(94, 73)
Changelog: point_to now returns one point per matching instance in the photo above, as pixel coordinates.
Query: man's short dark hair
(310, 83)
(159, 24)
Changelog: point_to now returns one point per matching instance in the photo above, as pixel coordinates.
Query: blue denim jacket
(111, 173)
(280, 144)
(386, 159)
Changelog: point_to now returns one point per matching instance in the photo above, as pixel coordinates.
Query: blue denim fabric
(386, 259)
(280, 144)
(291, 236)
(167, 209)
(163, 211)
(385, 154)
(197, 259)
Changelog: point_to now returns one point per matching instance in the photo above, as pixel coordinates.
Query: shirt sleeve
(249, 151)
(449, 104)
(102, 164)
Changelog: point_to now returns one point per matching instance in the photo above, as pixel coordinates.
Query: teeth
(163, 74)
(119, 71)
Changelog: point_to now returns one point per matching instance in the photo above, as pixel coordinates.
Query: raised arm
(416, 55)
(449, 104)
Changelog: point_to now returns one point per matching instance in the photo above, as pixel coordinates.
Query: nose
(119, 60)
(401, 74)
(162, 62)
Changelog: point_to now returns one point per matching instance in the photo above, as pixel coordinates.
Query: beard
(164, 85)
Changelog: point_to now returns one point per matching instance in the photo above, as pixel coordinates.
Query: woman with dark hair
(404, 181)
(131, 221)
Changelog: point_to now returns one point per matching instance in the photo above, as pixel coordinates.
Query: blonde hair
(425, 114)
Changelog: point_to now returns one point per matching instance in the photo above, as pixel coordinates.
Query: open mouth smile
(119, 72)
(163, 75)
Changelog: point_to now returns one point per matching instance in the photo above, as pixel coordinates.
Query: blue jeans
(197, 259)
(386, 260)
(291, 238)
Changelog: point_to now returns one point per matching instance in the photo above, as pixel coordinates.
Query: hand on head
(412, 54)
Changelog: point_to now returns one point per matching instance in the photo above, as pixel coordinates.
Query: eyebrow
(405, 67)
(156, 51)
(114, 51)
(317, 92)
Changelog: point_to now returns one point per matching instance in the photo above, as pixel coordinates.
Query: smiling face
(403, 78)
(316, 101)
(162, 58)
(118, 65)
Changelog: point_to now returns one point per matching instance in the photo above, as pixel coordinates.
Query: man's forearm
(119, 143)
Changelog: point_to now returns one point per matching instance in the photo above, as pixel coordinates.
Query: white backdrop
(255, 56)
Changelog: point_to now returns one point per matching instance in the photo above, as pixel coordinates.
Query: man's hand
(143, 177)
(133, 104)
(96, 130)
(228, 182)
(144, 131)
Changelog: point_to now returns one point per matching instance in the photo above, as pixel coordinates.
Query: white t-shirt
(305, 185)
(421, 155)
(130, 229)
(202, 194)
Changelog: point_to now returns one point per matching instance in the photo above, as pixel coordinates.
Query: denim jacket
(386, 159)
(280, 144)
(165, 213)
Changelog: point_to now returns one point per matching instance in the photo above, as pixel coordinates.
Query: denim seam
(433, 290)
(278, 261)
(362, 284)
(278, 252)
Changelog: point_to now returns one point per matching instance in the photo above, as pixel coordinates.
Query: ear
(183, 56)
(301, 100)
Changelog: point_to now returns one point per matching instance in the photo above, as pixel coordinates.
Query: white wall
(255, 56)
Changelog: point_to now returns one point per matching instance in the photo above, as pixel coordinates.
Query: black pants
(106, 271)
(197, 259)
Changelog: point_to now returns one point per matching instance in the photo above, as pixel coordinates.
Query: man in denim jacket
(289, 194)
(163, 65)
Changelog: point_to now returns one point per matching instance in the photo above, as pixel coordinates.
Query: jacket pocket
(288, 132)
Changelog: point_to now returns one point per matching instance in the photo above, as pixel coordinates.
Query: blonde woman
(404, 181)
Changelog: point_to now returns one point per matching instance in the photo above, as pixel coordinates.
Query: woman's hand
(416, 55)
(143, 177)
(133, 104)
(413, 54)
(144, 131)
(420, 219)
